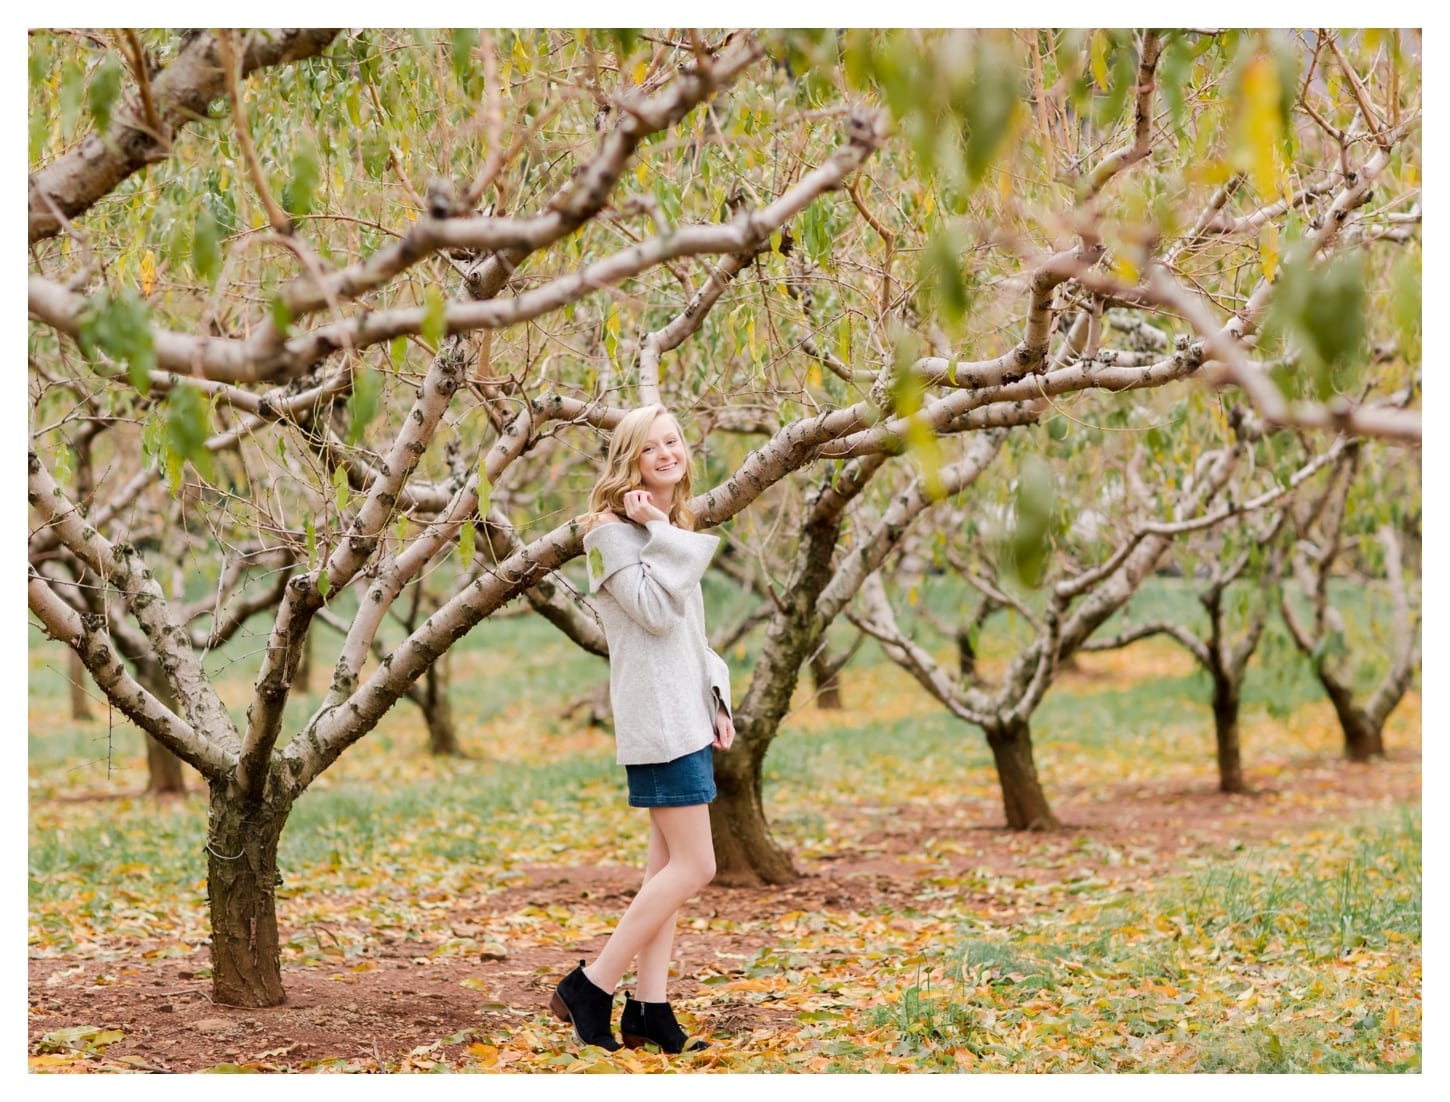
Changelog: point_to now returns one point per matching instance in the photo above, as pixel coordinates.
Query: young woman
(671, 699)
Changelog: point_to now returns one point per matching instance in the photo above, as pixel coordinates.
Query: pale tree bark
(1321, 640)
(1004, 715)
(1224, 658)
(816, 593)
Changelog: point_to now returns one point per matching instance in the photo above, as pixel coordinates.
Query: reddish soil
(1132, 833)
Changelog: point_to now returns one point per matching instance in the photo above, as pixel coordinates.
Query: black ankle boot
(588, 1007)
(654, 1023)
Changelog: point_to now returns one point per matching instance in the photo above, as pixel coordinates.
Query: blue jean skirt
(680, 783)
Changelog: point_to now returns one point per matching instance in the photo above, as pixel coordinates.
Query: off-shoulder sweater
(664, 680)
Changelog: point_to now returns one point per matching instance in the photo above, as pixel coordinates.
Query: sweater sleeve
(720, 680)
(653, 583)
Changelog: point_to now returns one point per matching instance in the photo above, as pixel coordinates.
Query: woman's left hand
(724, 729)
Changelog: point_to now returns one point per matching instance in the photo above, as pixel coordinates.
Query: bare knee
(696, 871)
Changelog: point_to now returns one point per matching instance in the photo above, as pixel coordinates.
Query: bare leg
(652, 969)
(689, 867)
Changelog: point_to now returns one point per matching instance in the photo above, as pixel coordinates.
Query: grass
(1276, 962)
(1300, 953)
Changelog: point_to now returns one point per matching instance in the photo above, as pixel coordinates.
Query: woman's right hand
(640, 507)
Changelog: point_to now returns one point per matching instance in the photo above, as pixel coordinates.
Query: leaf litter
(1167, 928)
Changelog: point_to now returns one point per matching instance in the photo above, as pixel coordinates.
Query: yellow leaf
(640, 172)
(487, 1055)
(929, 203)
(641, 71)
(813, 375)
(1261, 124)
(1100, 44)
(1269, 249)
(1213, 171)
(54, 1060)
(1124, 268)
(148, 272)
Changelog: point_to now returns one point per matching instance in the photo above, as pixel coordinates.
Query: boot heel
(560, 1008)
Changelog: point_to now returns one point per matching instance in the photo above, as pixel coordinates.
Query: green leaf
(624, 39)
(941, 273)
(305, 173)
(987, 106)
(485, 488)
(40, 60)
(857, 58)
(206, 248)
(466, 538)
(362, 403)
(1405, 305)
(435, 324)
(1034, 500)
(461, 44)
(175, 464)
(188, 427)
(105, 86)
(596, 564)
(341, 489)
(39, 136)
(309, 534)
(923, 444)
(1333, 317)
(72, 94)
(324, 583)
(1174, 70)
(120, 326)
(611, 333)
(375, 152)
(815, 231)
(281, 315)
(397, 351)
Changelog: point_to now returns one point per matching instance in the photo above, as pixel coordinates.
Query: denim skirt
(679, 783)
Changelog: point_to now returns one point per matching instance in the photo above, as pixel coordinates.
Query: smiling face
(663, 460)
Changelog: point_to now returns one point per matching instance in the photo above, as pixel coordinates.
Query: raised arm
(653, 584)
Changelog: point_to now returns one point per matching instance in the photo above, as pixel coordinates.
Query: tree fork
(242, 882)
(1364, 740)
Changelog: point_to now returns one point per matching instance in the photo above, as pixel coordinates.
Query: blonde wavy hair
(621, 468)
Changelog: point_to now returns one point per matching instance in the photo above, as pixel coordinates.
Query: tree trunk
(1226, 734)
(241, 890)
(1022, 797)
(827, 680)
(438, 712)
(80, 705)
(1363, 739)
(166, 776)
(746, 856)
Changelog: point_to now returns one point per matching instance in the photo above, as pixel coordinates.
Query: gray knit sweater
(664, 680)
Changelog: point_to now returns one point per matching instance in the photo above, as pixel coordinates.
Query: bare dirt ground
(409, 1000)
